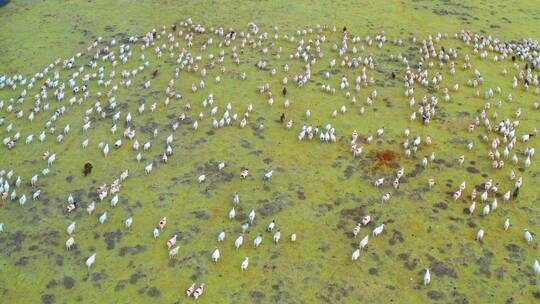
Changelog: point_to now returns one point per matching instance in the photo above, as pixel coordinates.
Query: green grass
(318, 190)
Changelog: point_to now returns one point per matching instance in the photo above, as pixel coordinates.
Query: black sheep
(87, 169)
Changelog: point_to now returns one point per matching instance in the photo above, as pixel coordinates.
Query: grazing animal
(251, 216)
(148, 168)
(427, 277)
(239, 241)
(293, 237)
(199, 291)
(356, 229)
(431, 183)
(91, 207)
(364, 242)
(271, 226)
(277, 236)
(472, 207)
(173, 252)
(536, 267)
(378, 230)
(355, 254)
(114, 201)
(91, 260)
(480, 235)
(162, 223)
(236, 199)
(245, 264)
(244, 227)
(190, 290)
(366, 220)
(506, 224)
(486, 209)
(103, 217)
(268, 175)
(171, 241)
(36, 195)
(201, 178)
(128, 222)
(87, 169)
(215, 255)
(124, 175)
(71, 228)
(528, 236)
(258, 240)
(69, 243)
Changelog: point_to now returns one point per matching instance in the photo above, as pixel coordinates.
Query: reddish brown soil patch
(385, 157)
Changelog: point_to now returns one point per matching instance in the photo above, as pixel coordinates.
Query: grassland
(319, 191)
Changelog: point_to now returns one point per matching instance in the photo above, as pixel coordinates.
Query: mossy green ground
(318, 191)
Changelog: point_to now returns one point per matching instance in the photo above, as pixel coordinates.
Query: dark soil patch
(16, 239)
(245, 144)
(435, 294)
(268, 208)
(459, 297)
(69, 282)
(59, 260)
(411, 265)
(99, 276)
(47, 299)
(201, 214)
(22, 261)
(403, 256)
(515, 252)
(120, 285)
(354, 213)
(132, 250)
(499, 272)
(111, 238)
(256, 296)
(348, 172)
(52, 284)
(322, 209)
(396, 237)
(135, 277)
(153, 292)
(441, 205)
(473, 170)
(440, 268)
